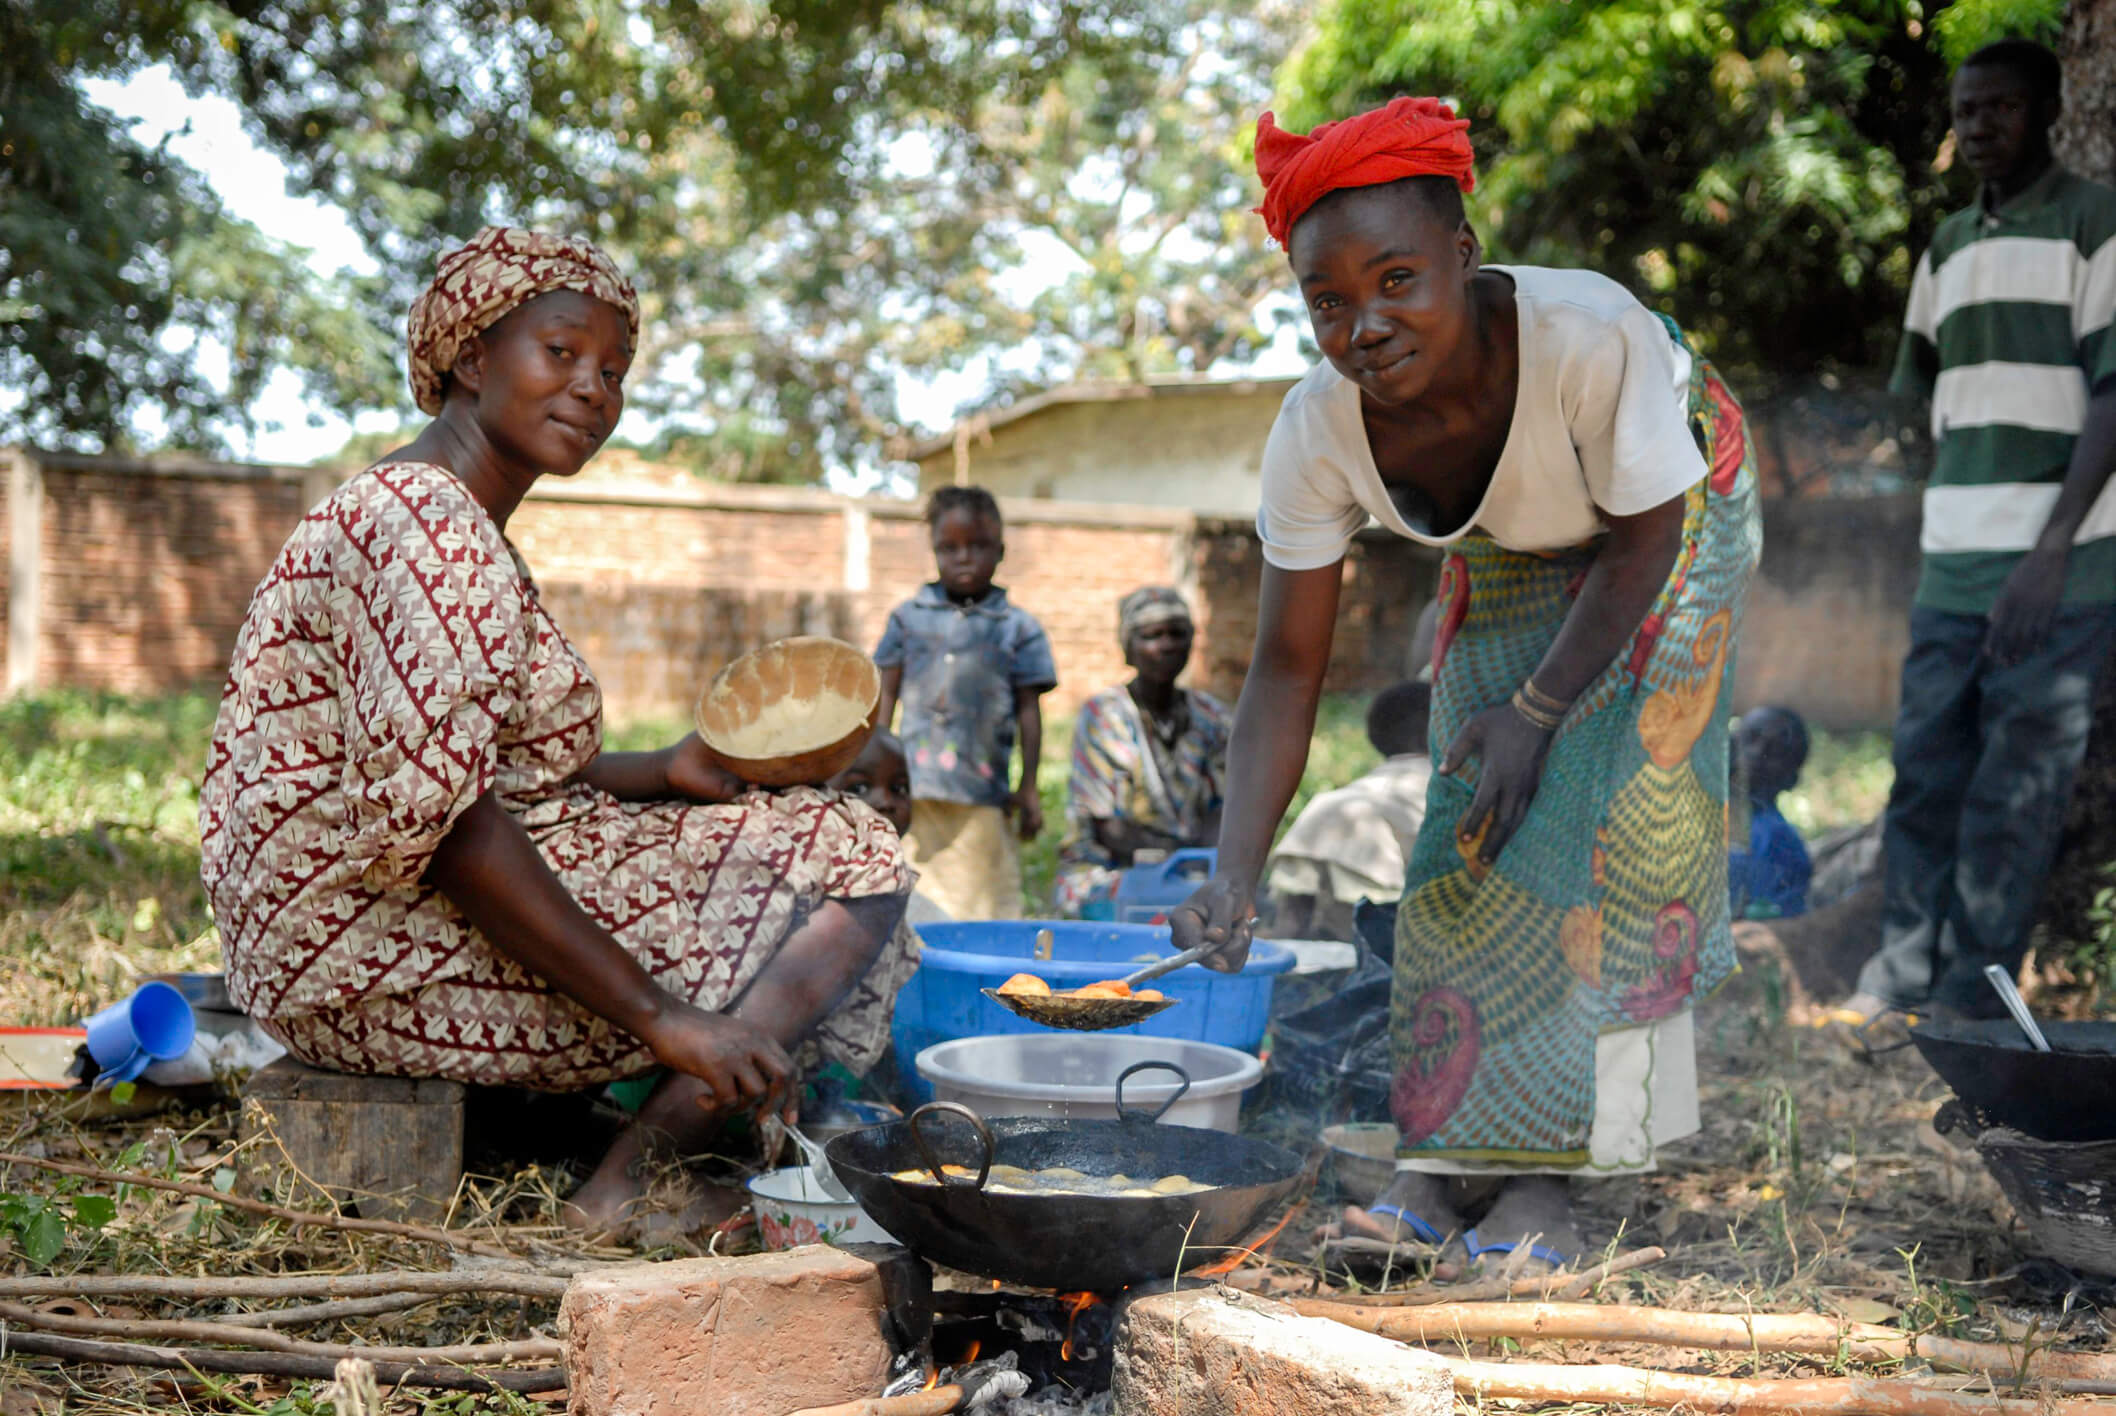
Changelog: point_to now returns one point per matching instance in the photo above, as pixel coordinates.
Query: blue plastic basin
(943, 1002)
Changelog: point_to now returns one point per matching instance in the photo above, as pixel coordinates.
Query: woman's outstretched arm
(1296, 620)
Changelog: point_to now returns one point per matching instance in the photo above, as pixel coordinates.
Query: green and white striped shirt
(2009, 332)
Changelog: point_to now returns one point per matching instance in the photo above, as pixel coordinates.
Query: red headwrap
(1409, 137)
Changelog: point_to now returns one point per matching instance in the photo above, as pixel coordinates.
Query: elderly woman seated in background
(1148, 759)
(422, 861)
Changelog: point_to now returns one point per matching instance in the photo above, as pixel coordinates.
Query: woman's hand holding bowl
(694, 772)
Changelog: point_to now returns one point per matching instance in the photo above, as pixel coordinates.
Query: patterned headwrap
(498, 269)
(1409, 137)
(1149, 608)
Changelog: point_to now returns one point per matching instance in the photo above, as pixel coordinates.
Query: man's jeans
(1985, 759)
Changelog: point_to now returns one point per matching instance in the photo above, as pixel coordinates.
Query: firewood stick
(280, 1212)
(15, 1314)
(327, 1312)
(1819, 1396)
(271, 1364)
(1555, 1285)
(1806, 1333)
(278, 1285)
(935, 1401)
(1590, 1322)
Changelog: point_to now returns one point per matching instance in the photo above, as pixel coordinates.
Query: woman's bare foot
(811, 972)
(1420, 1197)
(669, 1127)
(1532, 1212)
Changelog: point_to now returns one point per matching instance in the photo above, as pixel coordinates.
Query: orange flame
(1075, 1305)
(932, 1379)
(971, 1355)
(1234, 1260)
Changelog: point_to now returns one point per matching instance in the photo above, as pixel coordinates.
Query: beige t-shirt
(1600, 426)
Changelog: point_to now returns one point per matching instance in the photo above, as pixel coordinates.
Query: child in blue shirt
(969, 669)
(1769, 879)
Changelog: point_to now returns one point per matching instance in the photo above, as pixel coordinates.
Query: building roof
(982, 423)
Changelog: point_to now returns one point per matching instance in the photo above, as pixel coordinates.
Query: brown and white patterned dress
(395, 665)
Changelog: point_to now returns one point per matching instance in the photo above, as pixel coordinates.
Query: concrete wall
(1197, 448)
(143, 574)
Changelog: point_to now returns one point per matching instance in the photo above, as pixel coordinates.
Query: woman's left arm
(1626, 578)
(685, 772)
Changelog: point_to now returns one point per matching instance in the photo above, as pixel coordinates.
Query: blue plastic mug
(153, 1025)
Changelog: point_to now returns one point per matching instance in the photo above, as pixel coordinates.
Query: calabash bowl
(793, 713)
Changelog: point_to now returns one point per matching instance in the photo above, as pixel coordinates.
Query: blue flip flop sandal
(1420, 1229)
(1542, 1252)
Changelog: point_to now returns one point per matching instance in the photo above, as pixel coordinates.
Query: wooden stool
(391, 1146)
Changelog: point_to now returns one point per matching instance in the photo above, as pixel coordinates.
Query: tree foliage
(1764, 172)
(817, 199)
(115, 262)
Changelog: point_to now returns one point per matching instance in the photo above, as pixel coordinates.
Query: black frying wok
(2067, 1094)
(1092, 1243)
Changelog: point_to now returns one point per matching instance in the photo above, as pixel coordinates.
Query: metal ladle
(811, 1152)
(1058, 1010)
(2002, 981)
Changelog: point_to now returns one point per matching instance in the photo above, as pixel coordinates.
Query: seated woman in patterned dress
(421, 859)
(1148, 759)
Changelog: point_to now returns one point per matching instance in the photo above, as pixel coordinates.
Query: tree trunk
(2086, 143)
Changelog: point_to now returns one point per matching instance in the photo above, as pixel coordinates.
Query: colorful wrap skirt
(1608, 908)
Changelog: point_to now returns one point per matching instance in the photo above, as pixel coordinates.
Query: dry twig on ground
(280, 1212)
(290, 1285)
(273, 1364)
(528, 1349)
(1804, 1333)
(330, 1311)
(1818, 1396)
(1555, 1285)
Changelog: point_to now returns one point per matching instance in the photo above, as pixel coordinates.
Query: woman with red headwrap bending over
(1588, 476)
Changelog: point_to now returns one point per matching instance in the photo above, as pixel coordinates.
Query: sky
(206, 132)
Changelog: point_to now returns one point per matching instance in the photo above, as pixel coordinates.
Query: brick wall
(147, 572)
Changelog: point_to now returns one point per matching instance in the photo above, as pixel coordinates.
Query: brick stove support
(1205, 1352)
(755, 1336)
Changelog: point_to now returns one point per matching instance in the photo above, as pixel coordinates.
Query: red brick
(756, 1336)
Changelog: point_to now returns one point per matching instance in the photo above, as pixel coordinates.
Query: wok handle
(977, 1124)
(1181, 1076)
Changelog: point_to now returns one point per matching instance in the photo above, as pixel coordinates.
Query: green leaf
(94, 1211)
(224, 1179)
(123, 1093)
(43, 1237)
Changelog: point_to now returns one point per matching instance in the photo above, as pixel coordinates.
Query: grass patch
(99, 849)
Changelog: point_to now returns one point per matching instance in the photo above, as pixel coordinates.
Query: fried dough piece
(1025, 984)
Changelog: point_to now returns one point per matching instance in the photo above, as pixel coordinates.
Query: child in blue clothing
(1769, 880)
(969, 669)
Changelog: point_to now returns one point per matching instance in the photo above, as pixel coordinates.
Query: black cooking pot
(1091, 1243)
(2065, 1094)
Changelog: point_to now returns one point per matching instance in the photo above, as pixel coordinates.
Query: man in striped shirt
(2009, 333)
